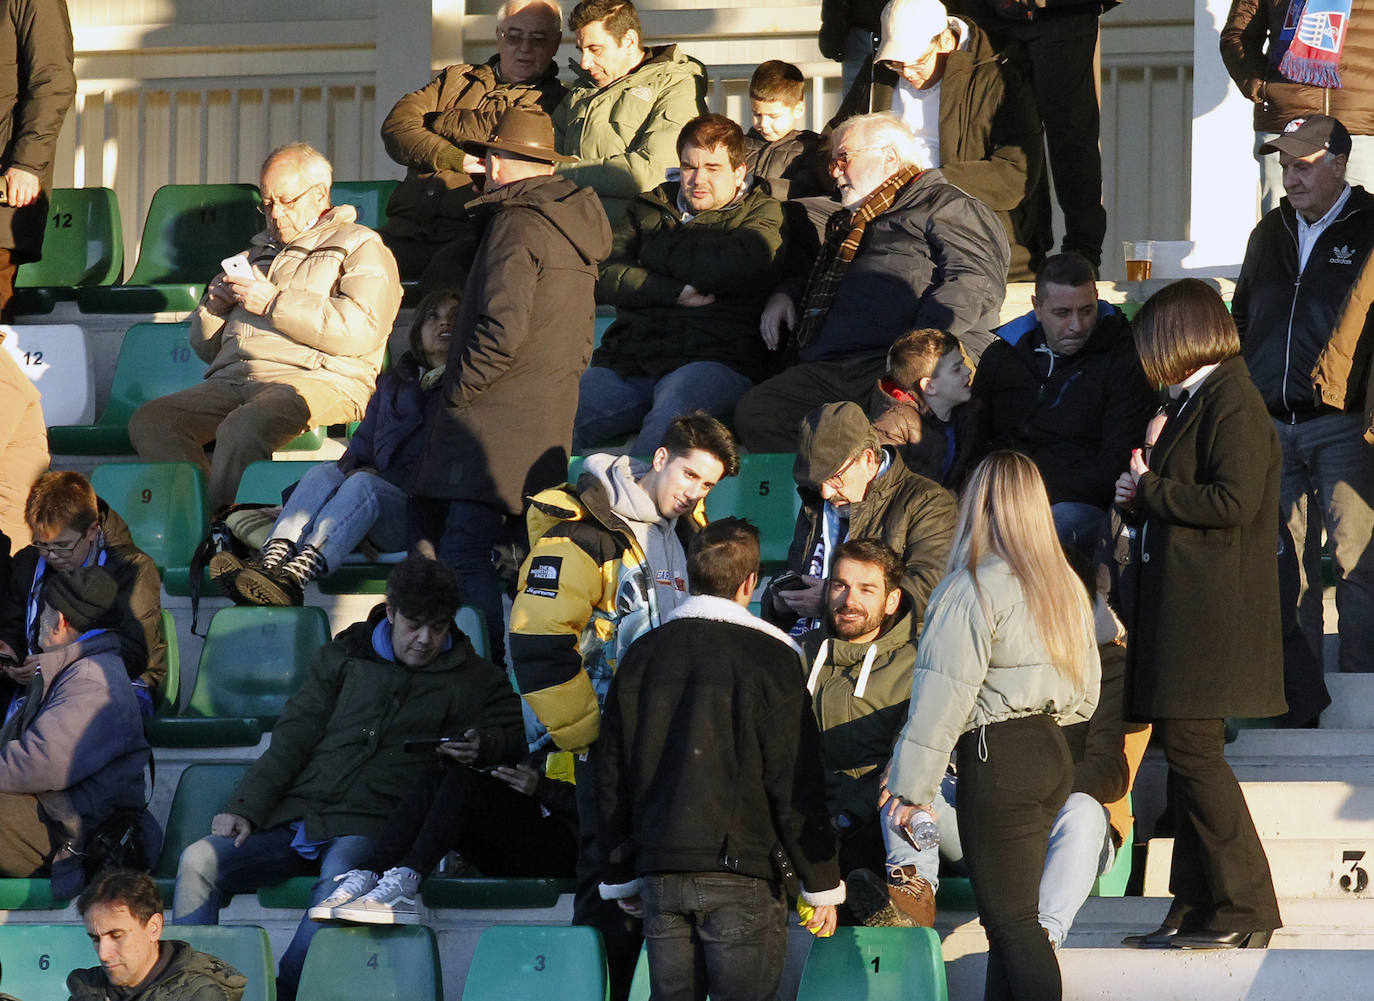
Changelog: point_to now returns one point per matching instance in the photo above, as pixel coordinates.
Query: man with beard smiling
(293, 341)
(860, 663)
(905, 249)
(690, 267)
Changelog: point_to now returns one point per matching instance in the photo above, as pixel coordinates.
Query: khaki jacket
(338, 297)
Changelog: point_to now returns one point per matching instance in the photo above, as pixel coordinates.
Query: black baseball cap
(1305, 136)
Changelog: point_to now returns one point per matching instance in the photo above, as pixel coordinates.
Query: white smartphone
(237, 266)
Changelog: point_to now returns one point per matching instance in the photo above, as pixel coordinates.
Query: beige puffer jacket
(339, 295)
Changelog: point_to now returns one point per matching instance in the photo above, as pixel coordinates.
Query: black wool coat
(1204, 638)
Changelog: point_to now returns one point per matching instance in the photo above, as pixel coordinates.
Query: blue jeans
(1077, 524)
(900, 851)
(212, 870)
(1081, 849)
(1359, 168)
(471, 532)
(610, 404)
(1328, 467)
(334, 513)
(714, 932)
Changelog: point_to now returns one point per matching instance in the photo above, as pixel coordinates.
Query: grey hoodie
(656, 535)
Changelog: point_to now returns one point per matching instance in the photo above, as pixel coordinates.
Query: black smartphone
(424, 746)
(789, 581)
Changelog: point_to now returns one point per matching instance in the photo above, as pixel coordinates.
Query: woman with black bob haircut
(1204, 635)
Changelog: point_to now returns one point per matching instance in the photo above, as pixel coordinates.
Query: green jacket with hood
(625, 133)
(337, 759)
(185, 975)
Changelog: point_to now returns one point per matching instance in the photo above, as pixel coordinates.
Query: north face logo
(1342, 255)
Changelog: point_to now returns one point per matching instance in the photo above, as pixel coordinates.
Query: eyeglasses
(51, 549)
(518, 38)
(836, 481)
(843, 157)
(268, 204)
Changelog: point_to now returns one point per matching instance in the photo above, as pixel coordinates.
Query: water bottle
(921, 831)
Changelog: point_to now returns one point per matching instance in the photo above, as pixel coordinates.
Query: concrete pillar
(1224, 205)
(404, 38)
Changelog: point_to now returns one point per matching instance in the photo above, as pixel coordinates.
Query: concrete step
(1352, 702)
(1300, 867)
(1263, 745)
(1341, 810)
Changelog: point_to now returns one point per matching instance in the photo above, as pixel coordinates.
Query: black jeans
(500, 831)
(1219, 874)
(714, 931)
(621, 934)
(1013, 778)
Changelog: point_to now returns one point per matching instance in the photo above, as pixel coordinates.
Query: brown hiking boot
(868, 901)
(911, 895)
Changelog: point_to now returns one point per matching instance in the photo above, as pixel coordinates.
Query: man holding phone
(294, 332)
(38, 84)
(321, 796)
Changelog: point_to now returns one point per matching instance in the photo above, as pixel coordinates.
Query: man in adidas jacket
(1300, 265)
(712, 792)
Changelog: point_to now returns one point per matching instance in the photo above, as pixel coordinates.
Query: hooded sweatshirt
(181, 974)
(859, 692)
(656, 535)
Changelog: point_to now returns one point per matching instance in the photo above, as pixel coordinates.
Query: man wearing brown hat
(1300, 264)
(72, 750)
(503, 430)
(853, 487)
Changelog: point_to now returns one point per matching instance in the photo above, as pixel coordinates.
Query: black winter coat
(503, 427)
(937, 258)
(709, 754)
(1285, 318)
(732, 253)
(1077, 418)
(794, 166)
(1204, 630)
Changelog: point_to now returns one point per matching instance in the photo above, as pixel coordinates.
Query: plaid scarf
(1311, 40)
(843, 233)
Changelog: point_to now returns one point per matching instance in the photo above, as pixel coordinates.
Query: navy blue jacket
(388, 438)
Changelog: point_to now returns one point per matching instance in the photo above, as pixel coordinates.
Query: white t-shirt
(919, 110)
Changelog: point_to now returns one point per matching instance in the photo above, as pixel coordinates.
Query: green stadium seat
(765, 493)
(1112, 883)
(28, 895)
(373, 964)
(263, 482)
(639, 986)
(154, 359)
(83, 244)
(253, 660)
(202, 791)
(163, 503)
(603, 324)
(38, 958)
(171, 685)
(536, 961)
(368, 197)
(877, 964)
(244, 947)
(190, 228)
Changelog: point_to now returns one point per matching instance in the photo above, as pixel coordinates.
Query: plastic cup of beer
(1138, 254)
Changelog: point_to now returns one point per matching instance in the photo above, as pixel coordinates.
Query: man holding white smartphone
(294, 330)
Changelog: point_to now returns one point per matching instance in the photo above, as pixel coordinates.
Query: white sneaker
(391, 902)
(351, 885)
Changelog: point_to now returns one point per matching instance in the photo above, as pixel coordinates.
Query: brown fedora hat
(527, 132)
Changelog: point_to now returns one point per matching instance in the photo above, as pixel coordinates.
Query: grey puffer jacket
(980, 661)
(338, 296)
(187, 975)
